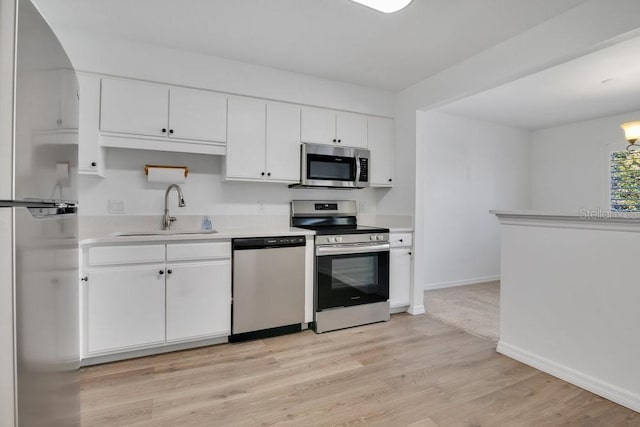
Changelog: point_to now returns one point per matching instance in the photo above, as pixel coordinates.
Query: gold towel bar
(146, 168)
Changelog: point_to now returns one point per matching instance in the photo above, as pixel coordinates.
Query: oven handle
(348, 249)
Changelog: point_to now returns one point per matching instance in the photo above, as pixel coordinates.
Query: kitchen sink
(160, 233)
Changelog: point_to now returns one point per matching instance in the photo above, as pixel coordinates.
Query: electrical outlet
(117, 207)
(261, 207)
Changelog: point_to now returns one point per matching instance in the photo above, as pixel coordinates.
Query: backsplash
(205, 192)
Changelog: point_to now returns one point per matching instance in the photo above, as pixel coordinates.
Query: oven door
(348, 275)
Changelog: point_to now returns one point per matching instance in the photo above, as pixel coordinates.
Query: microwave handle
(358, 169)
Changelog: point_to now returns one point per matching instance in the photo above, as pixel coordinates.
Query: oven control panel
(352, 238)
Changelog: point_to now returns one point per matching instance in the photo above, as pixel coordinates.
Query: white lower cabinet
(166, 294)
(125, 308)
(400, 258)
(198, 307)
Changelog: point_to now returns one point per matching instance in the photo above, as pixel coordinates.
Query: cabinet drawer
(134, 254)
(198, 251)
(398, 240)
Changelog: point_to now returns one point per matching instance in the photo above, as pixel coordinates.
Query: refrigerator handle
(43, 208)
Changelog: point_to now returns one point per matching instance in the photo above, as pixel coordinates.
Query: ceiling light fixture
(385, 6)
(632, 134)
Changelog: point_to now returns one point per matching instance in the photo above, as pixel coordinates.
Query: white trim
(582, 380)
(398, 309)
(141, 142)
(454, 283)
(131, 354)
(416, 310)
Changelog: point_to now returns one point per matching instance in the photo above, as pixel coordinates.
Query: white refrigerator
(39, 281)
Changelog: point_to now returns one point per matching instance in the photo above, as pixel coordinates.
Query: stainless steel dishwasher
(268, 286)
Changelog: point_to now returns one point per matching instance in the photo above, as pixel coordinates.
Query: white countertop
(220, 234)
(101, 230)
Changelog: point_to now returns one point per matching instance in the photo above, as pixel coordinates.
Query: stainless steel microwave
(331, 166)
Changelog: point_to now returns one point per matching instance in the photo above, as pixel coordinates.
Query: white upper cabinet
(351, 129)
(246, 139)
(198, 115)
(151, 116)
(90, 154)
(318, 125)
(263, 141)
(283, 142)
(381, 137)
(134, 107)
(323, 126)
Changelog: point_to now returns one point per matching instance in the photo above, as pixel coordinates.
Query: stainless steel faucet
(167, 219)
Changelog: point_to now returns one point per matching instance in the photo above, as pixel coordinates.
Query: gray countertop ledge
(593, 219)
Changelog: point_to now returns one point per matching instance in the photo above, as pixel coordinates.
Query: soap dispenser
(206, 223)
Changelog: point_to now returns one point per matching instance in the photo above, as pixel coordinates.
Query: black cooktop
(335, 225)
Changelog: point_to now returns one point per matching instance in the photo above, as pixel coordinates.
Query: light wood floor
(412, 370)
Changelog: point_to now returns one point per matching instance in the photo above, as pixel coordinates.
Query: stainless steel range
(352, 264)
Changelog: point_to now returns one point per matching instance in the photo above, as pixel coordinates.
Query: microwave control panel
(364, 170)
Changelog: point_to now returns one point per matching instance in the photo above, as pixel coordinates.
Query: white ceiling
(573, 91)
(335, 39)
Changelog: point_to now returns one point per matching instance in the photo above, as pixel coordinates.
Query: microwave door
(331, 171)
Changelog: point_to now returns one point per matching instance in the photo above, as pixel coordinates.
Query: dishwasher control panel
(269, 242)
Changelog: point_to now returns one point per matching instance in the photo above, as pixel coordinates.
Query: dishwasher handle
(268, 242)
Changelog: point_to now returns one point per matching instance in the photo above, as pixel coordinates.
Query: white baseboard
(416, 310)
(398, 309)
(587, 382)
(454, 283)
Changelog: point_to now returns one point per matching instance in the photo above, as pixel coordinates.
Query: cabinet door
(69, 107)
(399, 276)
(198, 300)
(125, 308)
(134, 107)
(283, 142)
(198, 115)
(318, 125)
(90, 155)
(351, 129)
(381, 145)
(246, 139)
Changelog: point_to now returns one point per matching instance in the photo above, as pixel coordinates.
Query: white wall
(469, 167)
(570, 164)
(93, 53)
(569, 301)
(204, 190)
(562, 38)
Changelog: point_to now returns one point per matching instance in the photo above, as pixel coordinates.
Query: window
(625, 181)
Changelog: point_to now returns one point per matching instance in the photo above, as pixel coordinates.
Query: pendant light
(631, 134)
